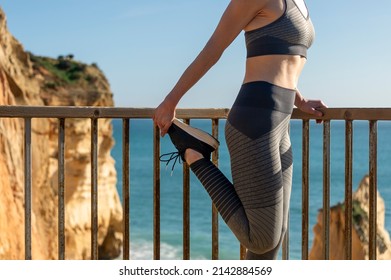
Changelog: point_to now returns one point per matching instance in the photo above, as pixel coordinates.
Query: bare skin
(281, 70)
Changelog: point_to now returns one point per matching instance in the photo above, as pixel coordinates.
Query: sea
(141, 187)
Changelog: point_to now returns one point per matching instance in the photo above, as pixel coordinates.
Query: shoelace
(172, 156)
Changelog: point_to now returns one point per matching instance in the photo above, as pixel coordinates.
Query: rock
(28, 80)
(360, 231)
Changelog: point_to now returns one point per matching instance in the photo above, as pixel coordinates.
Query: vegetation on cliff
(64, 71)
(65, 81)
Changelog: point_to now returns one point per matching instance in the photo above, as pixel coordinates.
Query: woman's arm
(234, 19)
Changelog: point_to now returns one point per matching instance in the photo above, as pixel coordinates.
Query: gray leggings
(255, 206)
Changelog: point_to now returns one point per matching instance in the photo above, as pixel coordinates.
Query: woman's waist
(281, 70)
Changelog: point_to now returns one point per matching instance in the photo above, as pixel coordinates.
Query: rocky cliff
(360, 232)
(26, 79)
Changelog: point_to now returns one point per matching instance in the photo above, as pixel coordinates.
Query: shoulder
(251, 3)
(248, 6)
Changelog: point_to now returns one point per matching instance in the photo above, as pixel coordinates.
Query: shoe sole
(198, 134)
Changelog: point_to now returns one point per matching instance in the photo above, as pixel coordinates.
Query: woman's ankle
(192, 156)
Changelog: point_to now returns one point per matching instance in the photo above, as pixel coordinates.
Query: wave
(143, 250)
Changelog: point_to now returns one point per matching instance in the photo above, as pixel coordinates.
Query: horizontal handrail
(202, 113)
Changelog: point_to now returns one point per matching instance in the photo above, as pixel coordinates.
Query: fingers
(163, 122)
(320, 105)
(315, 107)
(164, 128)
(317, 112)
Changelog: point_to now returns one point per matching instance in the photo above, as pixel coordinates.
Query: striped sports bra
(290, 34)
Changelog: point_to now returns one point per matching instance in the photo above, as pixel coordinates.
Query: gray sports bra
(290, 34)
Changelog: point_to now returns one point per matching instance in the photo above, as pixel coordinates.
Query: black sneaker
(184, 137)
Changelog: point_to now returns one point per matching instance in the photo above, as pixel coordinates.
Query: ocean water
(141, 187)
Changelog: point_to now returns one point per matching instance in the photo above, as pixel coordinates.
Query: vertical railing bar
(156, 193)
(186, 209)
(61, 189)
(373, 190)
(126, 188)
(348, 188)
(326, 189)
(305, 189)
(94, 188)
(27, 188)
(215, 216)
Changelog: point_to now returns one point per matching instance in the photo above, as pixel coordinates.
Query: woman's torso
(278, 65)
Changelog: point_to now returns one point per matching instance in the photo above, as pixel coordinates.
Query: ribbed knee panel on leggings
(255, 206)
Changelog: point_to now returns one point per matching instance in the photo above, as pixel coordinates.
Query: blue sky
(143, 46)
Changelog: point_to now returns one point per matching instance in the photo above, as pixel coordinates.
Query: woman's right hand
(163, 116)
(313, 107)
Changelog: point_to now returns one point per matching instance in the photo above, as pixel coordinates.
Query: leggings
(255, 206)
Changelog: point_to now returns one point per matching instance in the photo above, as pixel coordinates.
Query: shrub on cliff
(64, 68)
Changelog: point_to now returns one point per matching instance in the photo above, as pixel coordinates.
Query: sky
(143, 46)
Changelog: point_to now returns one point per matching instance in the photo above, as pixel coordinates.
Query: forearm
(299, 99)
(196, 70)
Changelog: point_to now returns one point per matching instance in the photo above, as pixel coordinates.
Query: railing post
(156, 193)
(215, 215)
(186, 208)
(326, 189)
(61, 189)
(348, 188)
(27, 188)
(94, 189)
(305, 189)
(372, 189)
(126, 189)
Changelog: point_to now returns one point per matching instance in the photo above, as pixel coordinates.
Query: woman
(255, 206)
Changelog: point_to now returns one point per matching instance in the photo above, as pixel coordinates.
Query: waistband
(266, 95)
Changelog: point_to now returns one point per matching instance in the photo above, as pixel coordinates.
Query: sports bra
(290, 34)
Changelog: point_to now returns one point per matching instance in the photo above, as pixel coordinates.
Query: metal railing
(349, 115)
